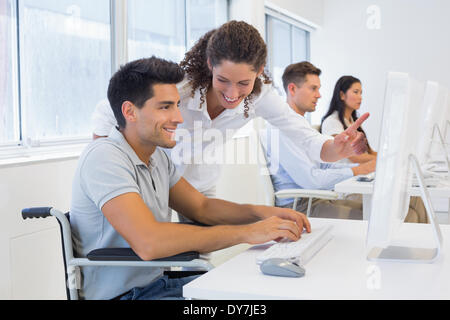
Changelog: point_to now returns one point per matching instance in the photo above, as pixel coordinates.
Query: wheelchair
(118, 257)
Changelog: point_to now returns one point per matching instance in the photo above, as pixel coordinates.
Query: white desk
(339, 271)
(351, 185)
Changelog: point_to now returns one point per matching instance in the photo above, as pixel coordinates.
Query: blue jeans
(161, 289)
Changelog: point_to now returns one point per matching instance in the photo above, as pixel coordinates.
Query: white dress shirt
(194, 141)
(294, 169)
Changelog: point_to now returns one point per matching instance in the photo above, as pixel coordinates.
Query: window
(174, 28)
(56, 58)
(203, 16)
(287, 43)
(9, 123)
(156, 32)
(65, 65)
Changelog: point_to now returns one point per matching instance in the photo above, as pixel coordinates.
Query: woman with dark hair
(346, 100)
(225, 86)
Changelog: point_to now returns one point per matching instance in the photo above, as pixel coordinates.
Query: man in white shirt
(296, 169)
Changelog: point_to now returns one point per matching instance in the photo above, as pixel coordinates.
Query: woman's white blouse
(195, 136)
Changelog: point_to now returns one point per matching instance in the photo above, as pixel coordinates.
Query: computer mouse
(282, 268)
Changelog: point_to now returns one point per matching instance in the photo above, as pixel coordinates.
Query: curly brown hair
(235, 41)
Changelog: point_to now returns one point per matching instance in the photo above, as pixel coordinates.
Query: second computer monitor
(398, 139)
(445, 124)
(434, 109)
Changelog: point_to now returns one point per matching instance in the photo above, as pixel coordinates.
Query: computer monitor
(445, 124)
(398, 143)
(434, 109)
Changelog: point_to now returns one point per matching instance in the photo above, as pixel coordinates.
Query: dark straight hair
(343, 84)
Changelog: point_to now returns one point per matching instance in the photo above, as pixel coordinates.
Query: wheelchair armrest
(127, 254)
(36, 212)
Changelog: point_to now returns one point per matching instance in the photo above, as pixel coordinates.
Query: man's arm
(151, 239)
(306, 173)
(186, 200)
(362, 158)
(365, 168)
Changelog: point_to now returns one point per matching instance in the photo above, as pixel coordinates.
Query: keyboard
(435, 167)
(429, 182)
(302, 250)
(366, 177)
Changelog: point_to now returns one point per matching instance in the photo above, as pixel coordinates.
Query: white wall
(412, 37)
(311, 10)
(31, 262)
(251, 12)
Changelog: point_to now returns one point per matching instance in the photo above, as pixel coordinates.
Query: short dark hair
(134, 82)
(296, 73)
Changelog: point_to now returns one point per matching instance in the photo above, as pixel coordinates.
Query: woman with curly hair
(225, 86)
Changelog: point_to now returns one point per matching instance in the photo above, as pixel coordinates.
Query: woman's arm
(362, 158)
(322, 148)
(349, 143)
(365, 157)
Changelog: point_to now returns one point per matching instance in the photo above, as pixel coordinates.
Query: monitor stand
(446, 129)
(443, 145)
(410, 254)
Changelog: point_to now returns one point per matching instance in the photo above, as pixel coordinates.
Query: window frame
(66, 146)
(15, 79)
(274, 12)
(24, 147)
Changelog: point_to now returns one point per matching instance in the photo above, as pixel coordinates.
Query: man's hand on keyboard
(285, 213)
(272, 228)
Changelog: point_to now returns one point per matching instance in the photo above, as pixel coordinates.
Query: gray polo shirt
(108, 168)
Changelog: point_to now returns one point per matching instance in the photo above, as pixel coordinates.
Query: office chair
(124, 257)
(270, 194)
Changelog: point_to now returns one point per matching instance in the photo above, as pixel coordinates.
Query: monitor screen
(433, 110)
(398, 138)
(445, 124)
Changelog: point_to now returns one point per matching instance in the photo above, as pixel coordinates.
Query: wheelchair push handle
(36, 212)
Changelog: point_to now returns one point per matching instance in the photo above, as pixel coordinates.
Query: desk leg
(367, 205)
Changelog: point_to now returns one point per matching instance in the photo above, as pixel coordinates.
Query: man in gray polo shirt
(124, 185)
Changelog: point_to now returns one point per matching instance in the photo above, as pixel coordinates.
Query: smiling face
(231, 84)
(157, 120)
(352, 98)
